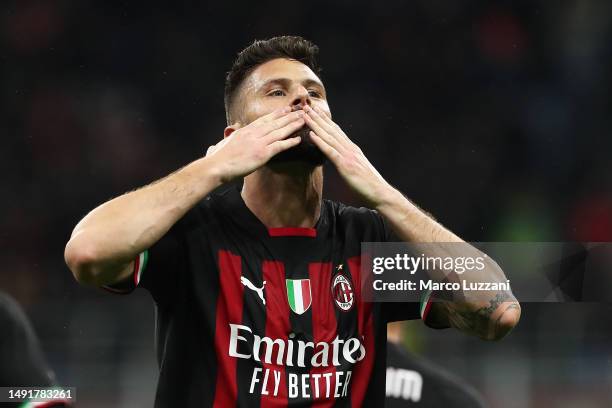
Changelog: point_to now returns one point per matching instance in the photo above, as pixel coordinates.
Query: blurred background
(495, 116)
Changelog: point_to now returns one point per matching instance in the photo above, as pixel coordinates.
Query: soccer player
(413, 381)
(22, 363)
(257, 290)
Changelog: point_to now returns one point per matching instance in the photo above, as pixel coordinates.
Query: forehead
(279, 68)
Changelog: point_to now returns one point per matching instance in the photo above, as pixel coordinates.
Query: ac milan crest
(342, 292)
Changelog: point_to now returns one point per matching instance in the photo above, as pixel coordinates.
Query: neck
(285, 195)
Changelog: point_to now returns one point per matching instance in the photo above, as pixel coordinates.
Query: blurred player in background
(257, 290)
(22, 363)
(412, 381)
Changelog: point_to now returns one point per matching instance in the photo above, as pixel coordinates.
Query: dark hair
(262, 51)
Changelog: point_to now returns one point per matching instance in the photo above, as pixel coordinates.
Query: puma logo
(250, 285)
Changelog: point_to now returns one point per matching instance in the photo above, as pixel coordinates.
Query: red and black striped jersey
(256, 316)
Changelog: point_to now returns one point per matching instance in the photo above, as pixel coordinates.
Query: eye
(314, 94)
(277, 92)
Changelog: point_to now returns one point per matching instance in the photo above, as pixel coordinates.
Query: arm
(489, 315)
(486, 314)
(104, 243)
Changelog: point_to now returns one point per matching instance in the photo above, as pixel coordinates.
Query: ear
(231, 129)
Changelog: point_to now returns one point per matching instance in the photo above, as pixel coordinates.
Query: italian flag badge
(299, 295)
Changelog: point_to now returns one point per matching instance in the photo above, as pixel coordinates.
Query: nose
(302, 99)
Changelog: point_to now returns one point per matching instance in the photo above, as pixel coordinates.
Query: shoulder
(359, 219)
(224, 199)
(348, 213)
(204, 212)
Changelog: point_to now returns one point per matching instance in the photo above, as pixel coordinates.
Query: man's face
(278, 83)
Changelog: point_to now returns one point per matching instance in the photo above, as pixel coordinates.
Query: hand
(346, 156)
(250, 147)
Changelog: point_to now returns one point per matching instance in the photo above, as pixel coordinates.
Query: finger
(327, 118)
(275, 114)
(310, 112)
(331, 153)
(318, 112)
(282, 121)
(284, 131)
(282, 145)
(322, 133)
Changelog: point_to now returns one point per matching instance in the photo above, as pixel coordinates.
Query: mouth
(305, 151)
(303, 133)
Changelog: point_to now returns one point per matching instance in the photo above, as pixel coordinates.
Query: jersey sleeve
(398, 311)
(385, 232)
(159, 268)
(162, 266)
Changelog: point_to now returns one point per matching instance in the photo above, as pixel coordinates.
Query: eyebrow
(286, 81)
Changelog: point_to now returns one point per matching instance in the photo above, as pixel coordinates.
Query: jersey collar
(246, 217)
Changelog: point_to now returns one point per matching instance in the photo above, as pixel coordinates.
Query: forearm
(493, 320)
(114, 233)
(486, 314)
(409, 222)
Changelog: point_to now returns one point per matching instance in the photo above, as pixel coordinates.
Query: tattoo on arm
(512, 306)
(478, 321)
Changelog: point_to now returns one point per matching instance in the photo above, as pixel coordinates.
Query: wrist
(386, 196)
(211, 172)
